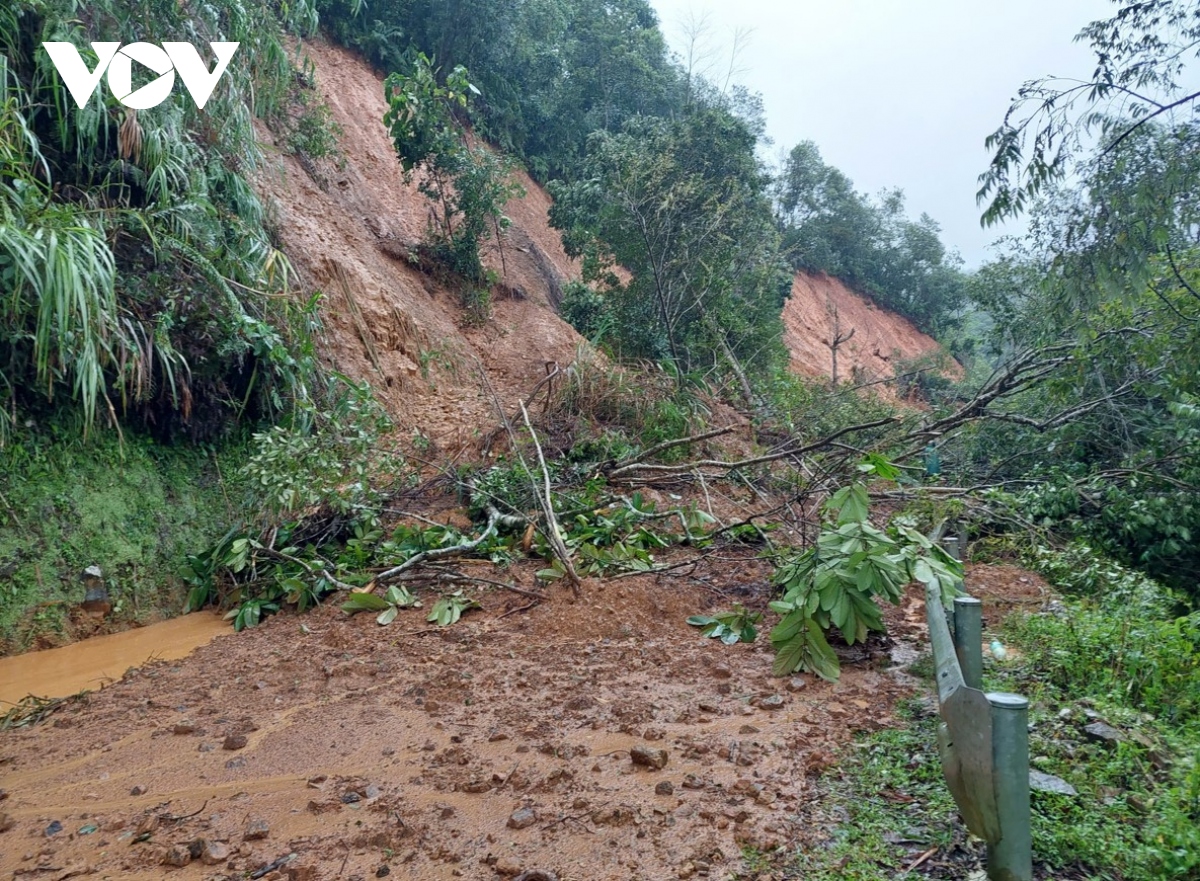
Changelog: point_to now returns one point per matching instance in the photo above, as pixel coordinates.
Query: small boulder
(1102, 732)
(522, 818)
(235, 741)
(649, 757)
(1042, 782)
(214, 853)
(177, 856)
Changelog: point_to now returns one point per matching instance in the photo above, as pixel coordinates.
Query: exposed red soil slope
(821, 307)
(349, 229)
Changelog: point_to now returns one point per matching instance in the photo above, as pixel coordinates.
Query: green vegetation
(835, 582)
(872, 246)
(1112, 653)
(737, 625)
(891, 802)
(136, 509)
(140, 270)
(468, 185)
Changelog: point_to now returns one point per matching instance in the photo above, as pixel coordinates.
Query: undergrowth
(135, 509)
(1111, 650)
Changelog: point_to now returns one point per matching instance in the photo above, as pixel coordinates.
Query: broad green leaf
(387, 616)
(364, 602)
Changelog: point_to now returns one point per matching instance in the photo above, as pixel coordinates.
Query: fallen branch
(547, 503)
(494, 517)
(676, 442)
(785, 452)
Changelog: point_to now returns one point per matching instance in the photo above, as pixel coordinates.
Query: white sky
(898, 92)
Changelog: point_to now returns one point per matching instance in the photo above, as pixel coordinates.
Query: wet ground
(601, 739)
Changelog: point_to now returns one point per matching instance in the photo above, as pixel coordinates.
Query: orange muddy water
(95, 662)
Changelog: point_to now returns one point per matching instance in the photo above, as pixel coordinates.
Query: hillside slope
(820, 308)
(350, 227)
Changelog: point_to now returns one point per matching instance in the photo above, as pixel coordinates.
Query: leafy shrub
(586, 311)
(835, 583)
(141, 281)
(467, 185)
(324, 463)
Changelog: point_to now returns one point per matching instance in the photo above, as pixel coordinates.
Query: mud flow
(96, 662)
(602, 739)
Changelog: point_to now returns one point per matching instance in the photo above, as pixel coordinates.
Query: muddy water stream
(95, 662)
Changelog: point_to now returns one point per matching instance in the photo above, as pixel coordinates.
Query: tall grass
(134, 257)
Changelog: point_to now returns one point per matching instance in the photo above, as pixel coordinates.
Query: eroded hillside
(822, 310)
(350, 228)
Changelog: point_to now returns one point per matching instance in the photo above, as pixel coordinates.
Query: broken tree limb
(547, 503)
(784, 452)
(676, 442)
(441, 553)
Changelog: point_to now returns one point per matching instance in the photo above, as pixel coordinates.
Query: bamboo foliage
(133, 254)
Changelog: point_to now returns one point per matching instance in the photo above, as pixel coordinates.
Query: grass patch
(134, 509)
(888, 805)
(1122, 655)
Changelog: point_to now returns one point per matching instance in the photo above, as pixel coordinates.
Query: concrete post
(1011, 858)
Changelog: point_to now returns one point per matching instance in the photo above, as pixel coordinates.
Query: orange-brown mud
(93, 663)
(419, 751)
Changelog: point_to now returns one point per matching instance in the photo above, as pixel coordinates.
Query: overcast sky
(898, 93)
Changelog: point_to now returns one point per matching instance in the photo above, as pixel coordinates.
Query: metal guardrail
(983, 740)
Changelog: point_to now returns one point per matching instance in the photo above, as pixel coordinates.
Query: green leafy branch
(836, 582)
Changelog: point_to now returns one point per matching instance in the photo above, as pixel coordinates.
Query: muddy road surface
(600, 739)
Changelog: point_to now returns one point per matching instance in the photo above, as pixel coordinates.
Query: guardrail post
(968, 639)
(1011, 858)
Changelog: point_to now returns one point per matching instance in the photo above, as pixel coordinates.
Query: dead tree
(837, 340)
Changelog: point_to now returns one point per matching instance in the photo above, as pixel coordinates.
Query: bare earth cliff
(350, 229)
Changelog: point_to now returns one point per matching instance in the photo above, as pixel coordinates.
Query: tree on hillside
(830, 227)
(1143, 56)
(551, 71)
(680, 205)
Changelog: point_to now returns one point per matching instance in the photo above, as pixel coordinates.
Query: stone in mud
(138, 790)
(6, 822)
(522, 818)
(177, 856)
(235, 741)
(796, 683)
(691, 781)
(774, 702)
(507, 867)
(721, 671)
(214, 853)
(649, 757)
(256, 830)
(666, 787)
(184, 727)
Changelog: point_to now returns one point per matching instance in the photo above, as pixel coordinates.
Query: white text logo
(118, 61)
